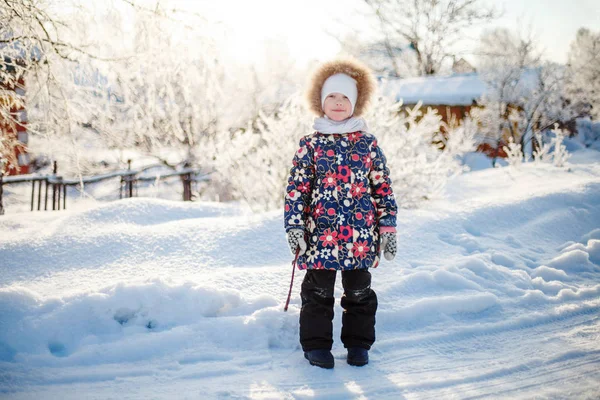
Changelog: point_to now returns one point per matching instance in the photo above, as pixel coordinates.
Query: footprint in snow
(462, 240)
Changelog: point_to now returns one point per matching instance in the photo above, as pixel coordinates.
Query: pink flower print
(367, 161)
(329, 238)
(304, 187)
(383, 190)
(318, 153)
(359, 249)
(318, 265)
(330, 180)
(318, 210)
(343, 173)
(358, 190)
(354, 136)
(370, 218)
(345, 232)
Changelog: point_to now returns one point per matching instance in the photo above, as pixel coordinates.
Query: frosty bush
(543, 152)
(560, 155)
(253, 165)
(514, 153)
(419, 169)
(551, 147)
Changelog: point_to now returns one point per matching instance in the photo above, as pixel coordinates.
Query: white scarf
(328, 126)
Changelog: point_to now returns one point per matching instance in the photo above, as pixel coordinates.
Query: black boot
(358, 356)
(320, 357)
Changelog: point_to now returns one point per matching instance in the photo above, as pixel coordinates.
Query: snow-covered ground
(495, 292)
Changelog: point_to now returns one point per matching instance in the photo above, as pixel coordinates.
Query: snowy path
(495, 293)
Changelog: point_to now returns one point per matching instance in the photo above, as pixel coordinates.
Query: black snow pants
(359, 302)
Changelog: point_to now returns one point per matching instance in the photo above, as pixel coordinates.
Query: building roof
(458, 89)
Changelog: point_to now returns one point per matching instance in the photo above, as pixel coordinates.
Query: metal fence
(54, 187)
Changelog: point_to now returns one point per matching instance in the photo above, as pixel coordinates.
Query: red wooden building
(452, 97)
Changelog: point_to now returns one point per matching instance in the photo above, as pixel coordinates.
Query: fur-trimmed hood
(365, 83)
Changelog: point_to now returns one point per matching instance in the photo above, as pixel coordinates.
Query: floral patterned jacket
(340, 194)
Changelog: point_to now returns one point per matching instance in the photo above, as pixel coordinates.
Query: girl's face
(337, 107)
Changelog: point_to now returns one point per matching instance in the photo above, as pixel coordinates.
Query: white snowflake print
(341, 219)
(365, 233)
(326, 253)
(327, 195)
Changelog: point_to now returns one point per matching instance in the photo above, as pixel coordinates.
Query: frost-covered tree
(165, 99)
(524, 95)
(583, 86)
(429, 28)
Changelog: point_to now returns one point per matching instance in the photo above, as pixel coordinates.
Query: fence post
(46, 195)
(130, 179)
(187, 187)
(32, 194)
(39, 194)
(54, 170)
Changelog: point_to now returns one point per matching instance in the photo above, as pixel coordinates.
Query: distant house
(452, 96)
(16, 125)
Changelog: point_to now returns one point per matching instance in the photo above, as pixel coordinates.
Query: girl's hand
(388, 244)
(296, 241)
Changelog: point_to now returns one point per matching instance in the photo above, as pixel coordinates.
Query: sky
(554, 21)
(305, 29)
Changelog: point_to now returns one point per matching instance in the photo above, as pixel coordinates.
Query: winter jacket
(340, 193)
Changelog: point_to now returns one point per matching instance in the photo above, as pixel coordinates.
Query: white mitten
(296, 241)
(388, 244)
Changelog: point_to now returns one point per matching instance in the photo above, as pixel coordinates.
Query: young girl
(339, 212)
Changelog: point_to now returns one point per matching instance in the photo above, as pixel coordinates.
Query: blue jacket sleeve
(381, 188)
(299, 187)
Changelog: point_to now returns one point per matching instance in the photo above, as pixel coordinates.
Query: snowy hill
(495, 292)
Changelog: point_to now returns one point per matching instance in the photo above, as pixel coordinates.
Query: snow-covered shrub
(551, 147)
(561, 155)
(514, 153)
(419, 170)
(252, 165)
(542, 154)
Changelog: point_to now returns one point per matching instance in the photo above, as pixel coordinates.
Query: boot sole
(357, 363)
(317, 364)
